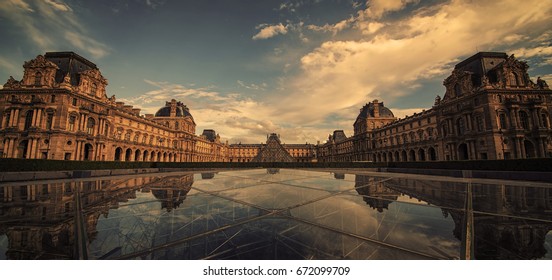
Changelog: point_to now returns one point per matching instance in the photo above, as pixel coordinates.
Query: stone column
(14, 117)
(519, 154)
(29, 149)
(14, 148)
(542, 147)
(77, 150)
(8, 149)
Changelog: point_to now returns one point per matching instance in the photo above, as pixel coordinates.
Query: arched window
(457, 90)
(106, 130)
(524, 119)
(445, 130)
(479, 123)
(544, 120)
(38, 79)
(90, 126)
(512, 79)
(72, 120)
(502, 120)
(93, 89)
(28, 119)
(49, 120)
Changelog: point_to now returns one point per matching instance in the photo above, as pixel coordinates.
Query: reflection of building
(39, 220)
(498, 234)
(491, 110)
(374, 193)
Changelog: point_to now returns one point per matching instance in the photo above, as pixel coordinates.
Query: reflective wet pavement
(276, 214)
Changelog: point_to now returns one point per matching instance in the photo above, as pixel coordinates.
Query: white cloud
(533, 51)
(252, 86)
(19, 4)
(59, 5)
(38, 19)
(333, 28)
(377, 8)
(95, 48)
(340, 76)
(269, 31)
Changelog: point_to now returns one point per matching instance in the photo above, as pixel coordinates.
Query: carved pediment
(459, 83)
(12, 84)
(94, 74)
(40, 62)
(92, 82)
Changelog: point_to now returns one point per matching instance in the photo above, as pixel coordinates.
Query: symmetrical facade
(491, 110)
(60, 110)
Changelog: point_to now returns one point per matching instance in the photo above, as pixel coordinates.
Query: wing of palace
(60, 110)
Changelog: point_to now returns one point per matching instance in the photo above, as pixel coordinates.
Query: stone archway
(411, 155)
(529, 149)
(404, 156)
(128, 154)
(463, 152)
(432, 154)
(88, 152)
(421, 155)
(118, 154)
(22, 149)
(137, 155)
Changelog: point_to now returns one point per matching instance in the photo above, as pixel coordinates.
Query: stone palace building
(491, 110)
(60, 110)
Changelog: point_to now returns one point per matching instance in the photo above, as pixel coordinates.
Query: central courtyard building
(60, 110)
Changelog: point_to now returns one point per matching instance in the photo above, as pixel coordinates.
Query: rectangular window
(74, 102)
(479, 123)
(49, 120)
(72, 121)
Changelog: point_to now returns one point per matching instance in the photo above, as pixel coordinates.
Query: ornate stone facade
(491, 110)
(60, 110)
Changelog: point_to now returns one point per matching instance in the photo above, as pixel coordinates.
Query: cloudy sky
(299, 68)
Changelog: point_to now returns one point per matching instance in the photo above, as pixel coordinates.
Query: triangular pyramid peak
(273, 151)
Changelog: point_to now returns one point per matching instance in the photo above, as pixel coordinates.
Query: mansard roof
(367, 111)
(181, 110)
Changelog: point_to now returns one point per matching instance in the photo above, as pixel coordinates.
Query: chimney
(376, 108)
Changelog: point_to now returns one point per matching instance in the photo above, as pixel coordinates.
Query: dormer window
(457, 90)
(93, 89)
(38, 79)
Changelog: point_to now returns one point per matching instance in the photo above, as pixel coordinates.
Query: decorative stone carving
(39, 62)
(12, 83)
